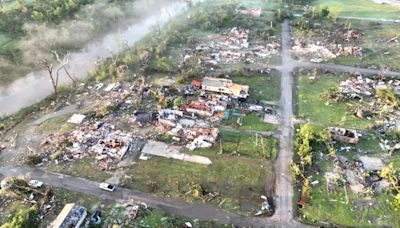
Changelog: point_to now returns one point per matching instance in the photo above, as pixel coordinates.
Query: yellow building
(225, 86)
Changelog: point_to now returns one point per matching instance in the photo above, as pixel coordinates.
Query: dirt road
(372, 19)
(200, 211)
(345, 69)
(284, 187)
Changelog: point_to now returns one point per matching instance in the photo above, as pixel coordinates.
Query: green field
(252, 122)
(314, 106)
(379, 51)
(360, 8)
(81, 168)
(262, 87)
(237, 175)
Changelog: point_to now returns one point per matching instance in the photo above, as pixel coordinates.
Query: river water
(36, 86)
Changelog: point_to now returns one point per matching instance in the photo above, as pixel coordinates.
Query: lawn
(252, 122)
(313, 104)
(237, 175)
(55, 125)
(85, 168)
(262, 86)
(360, 8)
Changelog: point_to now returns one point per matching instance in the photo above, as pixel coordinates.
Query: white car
(35, 183)
(255, 108)
(107, 187)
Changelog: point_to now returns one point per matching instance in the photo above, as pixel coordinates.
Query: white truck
(35, 183)
(107, 187)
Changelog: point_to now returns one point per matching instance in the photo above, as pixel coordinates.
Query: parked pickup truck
(35, 184)
(107, 187)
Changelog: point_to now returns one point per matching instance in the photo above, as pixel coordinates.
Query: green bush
(33, 160)
(23, 218)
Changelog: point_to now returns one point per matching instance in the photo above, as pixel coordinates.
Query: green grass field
(237, 175)
(251, 122)
(360, 8)
(262, 87)
(81, 168)
(314, 106)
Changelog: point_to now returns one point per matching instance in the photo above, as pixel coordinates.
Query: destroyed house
(142, 118)
(225, 86)
(72, 215)
(371, 163)
(199, 108)
(343, 135)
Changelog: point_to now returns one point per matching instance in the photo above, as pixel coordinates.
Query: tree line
(13, 17)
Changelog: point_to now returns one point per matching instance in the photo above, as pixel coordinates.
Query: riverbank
(35, 86)
(22, 49)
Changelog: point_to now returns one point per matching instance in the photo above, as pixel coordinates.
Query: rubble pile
(361, 87)
(361, 173)
(190, 123)
(313, 51)
(319, 52)
(235, 48)
(357, 87)
(98, 139)
(120, 95)
(349, 35)
(196, 133)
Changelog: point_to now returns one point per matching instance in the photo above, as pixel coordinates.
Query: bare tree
(49, 68)
(63, 63)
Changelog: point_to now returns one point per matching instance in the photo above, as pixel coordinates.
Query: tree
(46, 65)
(63, 64)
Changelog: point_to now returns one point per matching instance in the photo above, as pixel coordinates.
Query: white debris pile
(360, 86)
(98, 139)
(319, 52)
(312, 51)
(363, 86)
(235, 48)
